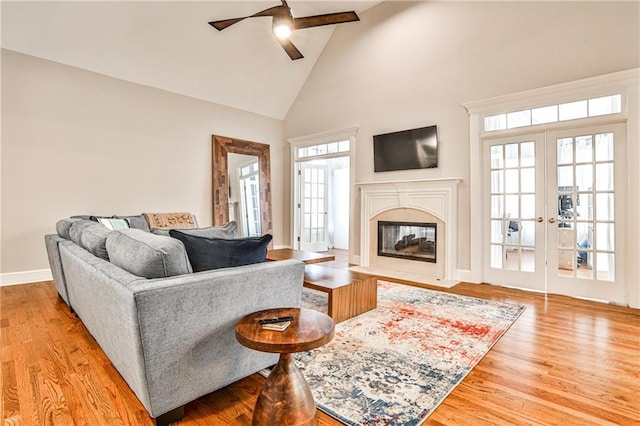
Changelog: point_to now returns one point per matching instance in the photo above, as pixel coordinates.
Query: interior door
(313, 207)
(514, 232)
(586, 211)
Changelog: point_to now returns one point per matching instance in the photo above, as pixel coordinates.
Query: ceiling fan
(284, 24)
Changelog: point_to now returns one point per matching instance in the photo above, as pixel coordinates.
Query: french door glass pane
(511, 155)
(606, 266)
(528, 207)
(497, 157)
(604, 177)
(527, 154)
(565, 151)
(584, 177)
(604, 206)
(497, 181)
(584, 149)
(528, 180)
(604, 147)
(565, 176)
(512, 182)
(497, 205)
(586, 238)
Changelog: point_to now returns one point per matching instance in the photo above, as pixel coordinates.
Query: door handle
(539, 219)
(552, 220)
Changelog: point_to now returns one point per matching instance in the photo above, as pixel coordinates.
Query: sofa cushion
(213, 253)
(230, 230)
(63, 226)
(75, 231)
(147, 255)
(94, 238)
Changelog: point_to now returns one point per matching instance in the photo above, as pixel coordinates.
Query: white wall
(77, 142)
(412, 64)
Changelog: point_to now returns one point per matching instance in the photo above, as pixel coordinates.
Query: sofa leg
(170, 417)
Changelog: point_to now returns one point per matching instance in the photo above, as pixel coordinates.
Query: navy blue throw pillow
(214, 253)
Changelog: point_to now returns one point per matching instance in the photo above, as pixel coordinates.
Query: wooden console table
(285, 398)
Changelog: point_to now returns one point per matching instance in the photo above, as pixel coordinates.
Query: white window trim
(626, 83)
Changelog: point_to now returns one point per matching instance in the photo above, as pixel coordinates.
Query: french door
(587, 212)
(555, 212)
(313, 207)
(515, 234)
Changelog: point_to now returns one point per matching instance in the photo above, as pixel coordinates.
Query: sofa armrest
(51, 242)
(187, 327)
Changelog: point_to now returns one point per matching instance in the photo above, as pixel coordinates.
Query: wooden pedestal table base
(285, 398)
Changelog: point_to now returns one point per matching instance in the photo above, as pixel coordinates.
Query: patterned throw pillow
(113, 224)
(171, 220)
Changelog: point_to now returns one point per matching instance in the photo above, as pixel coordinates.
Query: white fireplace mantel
(438, 197)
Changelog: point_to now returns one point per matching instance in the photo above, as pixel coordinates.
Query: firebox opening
(407, 240)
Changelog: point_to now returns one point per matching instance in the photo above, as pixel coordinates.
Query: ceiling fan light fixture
(282, 31)
(283, 25)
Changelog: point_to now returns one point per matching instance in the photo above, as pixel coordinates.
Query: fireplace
(422, 210)
(407, 240)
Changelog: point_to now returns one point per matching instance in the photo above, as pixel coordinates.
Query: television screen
(405, 150)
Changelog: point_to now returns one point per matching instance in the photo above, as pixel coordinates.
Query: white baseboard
(25, 277)
(467, 276)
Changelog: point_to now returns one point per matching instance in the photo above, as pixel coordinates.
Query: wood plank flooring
(564, 362)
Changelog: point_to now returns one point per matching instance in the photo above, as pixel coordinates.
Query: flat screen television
(406, 150)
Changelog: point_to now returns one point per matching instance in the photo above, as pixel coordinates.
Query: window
(554, 113)
(323, 149)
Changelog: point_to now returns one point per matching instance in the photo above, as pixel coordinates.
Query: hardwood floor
(564, 362)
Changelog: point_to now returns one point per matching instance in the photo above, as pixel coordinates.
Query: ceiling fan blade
(291, 50)
(328, 19)
(225, 23)
(221, 25)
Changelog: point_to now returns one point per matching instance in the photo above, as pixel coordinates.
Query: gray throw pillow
(230, 230)
(213, 253)
(63, 226)
(75, 231)
(147, 255)
(94, 238)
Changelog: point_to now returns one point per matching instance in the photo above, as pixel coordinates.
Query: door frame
(316, 139)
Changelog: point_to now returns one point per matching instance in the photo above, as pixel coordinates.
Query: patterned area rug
(394, 365)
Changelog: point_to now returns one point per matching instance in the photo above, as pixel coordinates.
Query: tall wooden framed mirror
(222, 149)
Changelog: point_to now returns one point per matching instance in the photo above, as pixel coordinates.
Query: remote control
(275, 320)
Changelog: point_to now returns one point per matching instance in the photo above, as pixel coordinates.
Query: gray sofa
(171, 334)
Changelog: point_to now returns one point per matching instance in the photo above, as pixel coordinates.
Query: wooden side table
(285, 398)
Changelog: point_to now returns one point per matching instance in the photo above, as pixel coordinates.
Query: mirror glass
(244, 193)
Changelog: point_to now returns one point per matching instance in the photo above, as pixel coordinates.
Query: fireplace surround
(432, 201)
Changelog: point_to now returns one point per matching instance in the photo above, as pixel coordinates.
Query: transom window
(323, 149)
(593, 107)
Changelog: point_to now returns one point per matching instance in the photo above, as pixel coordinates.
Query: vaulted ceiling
(169, 45)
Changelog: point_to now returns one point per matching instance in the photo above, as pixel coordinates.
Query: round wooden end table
(285, 398)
